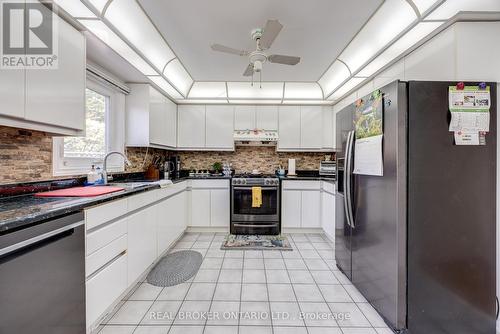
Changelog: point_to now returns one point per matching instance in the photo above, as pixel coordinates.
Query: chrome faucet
(104, 166)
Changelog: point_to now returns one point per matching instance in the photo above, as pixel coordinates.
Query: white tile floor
(251, 292)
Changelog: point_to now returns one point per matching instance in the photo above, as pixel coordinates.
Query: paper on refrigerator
(469, 109)
(368, 156)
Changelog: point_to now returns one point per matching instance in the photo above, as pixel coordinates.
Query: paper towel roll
(291, 166)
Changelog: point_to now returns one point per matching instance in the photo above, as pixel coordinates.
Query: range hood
(255, 137)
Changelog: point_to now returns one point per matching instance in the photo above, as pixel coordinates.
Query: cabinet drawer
(209, 184)
(138, 201)
(99, 258)
(105, 288)
(329, 186)
(103, 213)
(302, 185)
(103, 236)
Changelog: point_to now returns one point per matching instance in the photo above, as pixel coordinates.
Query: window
(104, 130)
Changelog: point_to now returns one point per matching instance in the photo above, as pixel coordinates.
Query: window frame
(115, 139)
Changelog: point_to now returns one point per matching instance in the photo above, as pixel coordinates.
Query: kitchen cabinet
(172, 220)
(43, 99)
(291, 215)
(210, 203)
(220, 207)
(191, 127)
(142, 243)
(256, 117)
(151, 118)
(311, 209)
(289, 128)
(328, 128)
(328, 210)
(311, 127)
(200, 207)
(301, 204)
(219, 127)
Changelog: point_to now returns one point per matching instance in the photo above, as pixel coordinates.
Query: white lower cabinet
(291, 208)
(141, 242)
(200, 207)
(311, 209)
(105, 287)
(172, 220)
(219, 207)
(328, 214)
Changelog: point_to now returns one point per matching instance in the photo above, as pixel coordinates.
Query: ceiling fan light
(99, 29)
(408, 40)
(393, 17)
(131, 21)
(452, 7)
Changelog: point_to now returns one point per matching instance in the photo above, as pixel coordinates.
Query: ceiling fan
(264, 38)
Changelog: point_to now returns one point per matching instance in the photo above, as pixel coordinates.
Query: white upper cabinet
(151, 118)
(244, 117)
(219, 127)
(266, 117)
(289, 128)
(328, 128)
(256, 117)
(51, 100)
(191, 126)
(311, 119)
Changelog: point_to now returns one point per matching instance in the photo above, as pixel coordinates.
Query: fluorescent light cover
(409, 39)
(75, 8)
(128, 17)
(452, 7)
(353, 82)
(307, 102)
(165, 86)
(208, 90)
(201, 101)
(255, 101)
(390, 20)
(303, 90)
(178, 76)
(244, 90)
(424, 5)
(98, 4)
(333, 77)
(105, 34)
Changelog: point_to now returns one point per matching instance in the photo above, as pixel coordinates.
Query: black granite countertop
(308, 178)
(26, 209)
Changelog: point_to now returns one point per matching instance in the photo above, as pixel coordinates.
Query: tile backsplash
(26, 156)
(247, 158)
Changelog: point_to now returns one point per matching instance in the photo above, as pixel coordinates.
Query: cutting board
(80, 192)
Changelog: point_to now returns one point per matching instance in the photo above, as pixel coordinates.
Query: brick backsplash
(247, 158)
(26, 156)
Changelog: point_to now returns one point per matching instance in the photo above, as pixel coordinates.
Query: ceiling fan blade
(281, 59)
(271, 31)
(227, 49)
(248, 71)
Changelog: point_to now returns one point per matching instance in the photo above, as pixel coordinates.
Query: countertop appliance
(42, 278)
(419, 241)
(256, 137)
(175, 166)
(263, 220)
(327, 168)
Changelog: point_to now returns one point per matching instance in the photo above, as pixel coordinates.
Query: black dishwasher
(42, 278)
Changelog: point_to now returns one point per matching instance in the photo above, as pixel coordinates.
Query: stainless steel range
(261, 219)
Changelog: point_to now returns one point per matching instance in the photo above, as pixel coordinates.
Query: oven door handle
(255, 225)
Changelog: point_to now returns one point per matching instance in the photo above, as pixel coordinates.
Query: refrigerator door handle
(347, 180)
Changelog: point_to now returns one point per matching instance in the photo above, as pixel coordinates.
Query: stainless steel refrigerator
(419, 241)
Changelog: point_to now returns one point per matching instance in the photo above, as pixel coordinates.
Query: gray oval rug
(175, 268)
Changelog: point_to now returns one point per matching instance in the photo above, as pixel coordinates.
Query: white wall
(466, 51)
